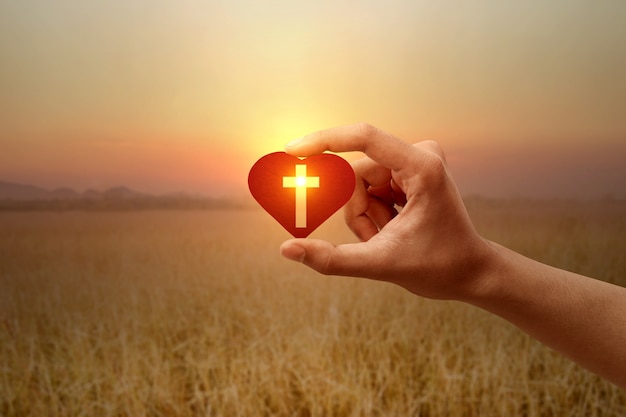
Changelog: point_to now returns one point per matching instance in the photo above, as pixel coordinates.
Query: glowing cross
(301, 182)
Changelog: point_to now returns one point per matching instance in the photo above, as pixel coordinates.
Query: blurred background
(527, 98)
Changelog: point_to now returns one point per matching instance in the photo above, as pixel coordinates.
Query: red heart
(301, 193)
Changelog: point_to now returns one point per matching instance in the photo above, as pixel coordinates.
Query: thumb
(352, 259)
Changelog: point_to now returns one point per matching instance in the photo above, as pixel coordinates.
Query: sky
(527, 98)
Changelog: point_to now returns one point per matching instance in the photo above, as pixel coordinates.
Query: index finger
(380, 146)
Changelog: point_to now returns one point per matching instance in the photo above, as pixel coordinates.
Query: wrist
(507, 283)
(485, 281)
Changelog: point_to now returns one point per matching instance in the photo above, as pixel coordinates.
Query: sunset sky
(526, 97)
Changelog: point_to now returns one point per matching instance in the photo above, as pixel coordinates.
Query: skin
(432, 249)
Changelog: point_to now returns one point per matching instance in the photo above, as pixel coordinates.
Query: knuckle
(432, 144)
(366, 130)
(327, 266)
(433, 170)
(323, 135)
(433, 147)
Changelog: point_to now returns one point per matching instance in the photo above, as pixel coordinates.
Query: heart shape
(301, 193)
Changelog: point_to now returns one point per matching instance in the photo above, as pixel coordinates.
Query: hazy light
(189, 94)
(301, 182)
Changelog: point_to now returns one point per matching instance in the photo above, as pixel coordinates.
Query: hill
(14, 196)
(13, 191)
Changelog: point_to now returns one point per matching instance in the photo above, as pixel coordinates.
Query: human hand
(430, 247)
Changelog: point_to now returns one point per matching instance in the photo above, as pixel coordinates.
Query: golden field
(194, 313)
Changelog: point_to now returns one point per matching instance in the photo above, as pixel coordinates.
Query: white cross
(301, 182)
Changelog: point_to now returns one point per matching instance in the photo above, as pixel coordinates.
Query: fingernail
(293, 252)
(294, 143)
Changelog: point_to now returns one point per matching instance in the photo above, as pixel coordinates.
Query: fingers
(397, 193)
(366, 214)
(362, 226)
(355, 213)
(355, 259)
(374, 175)
(371, 205)
(382, 147)
(432, 147)
(380, 212)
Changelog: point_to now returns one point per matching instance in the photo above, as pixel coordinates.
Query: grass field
(181, 313)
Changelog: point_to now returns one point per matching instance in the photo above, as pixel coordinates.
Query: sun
(300, 181)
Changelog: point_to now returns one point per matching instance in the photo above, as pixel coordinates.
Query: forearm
(583, 318)
(431, 249)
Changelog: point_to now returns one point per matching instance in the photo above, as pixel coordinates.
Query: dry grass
(194, 313)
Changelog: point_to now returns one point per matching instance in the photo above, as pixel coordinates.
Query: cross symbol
(301, 182)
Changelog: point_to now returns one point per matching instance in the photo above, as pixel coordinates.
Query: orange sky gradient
(526, 98)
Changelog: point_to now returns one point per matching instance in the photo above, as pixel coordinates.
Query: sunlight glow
(301, 182)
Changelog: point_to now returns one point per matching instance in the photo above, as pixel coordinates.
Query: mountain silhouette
(15, 196)
(13, 191)
(65, 193)
(122, 192)
(27, 192)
